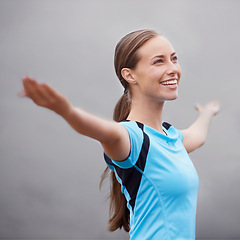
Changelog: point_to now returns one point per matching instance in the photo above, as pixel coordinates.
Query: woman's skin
(154, 81)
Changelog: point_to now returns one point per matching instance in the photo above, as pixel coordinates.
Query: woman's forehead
(156, 46)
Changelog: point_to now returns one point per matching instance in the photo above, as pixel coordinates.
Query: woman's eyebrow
(162, 56)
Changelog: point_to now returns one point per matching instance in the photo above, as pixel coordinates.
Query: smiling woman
(154, 183)
(151, 77)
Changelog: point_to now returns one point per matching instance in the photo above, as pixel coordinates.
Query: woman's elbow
(202, 141)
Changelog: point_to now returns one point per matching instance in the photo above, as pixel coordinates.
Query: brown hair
(126, 56)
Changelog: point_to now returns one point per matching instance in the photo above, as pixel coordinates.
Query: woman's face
(157, 73)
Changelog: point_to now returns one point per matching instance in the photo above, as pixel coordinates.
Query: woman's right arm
(113, 136)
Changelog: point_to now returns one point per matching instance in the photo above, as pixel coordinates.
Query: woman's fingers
(45, 96)
(30, 86)
(212, 106)
(198, 107)
(37, 92)
(22, 94)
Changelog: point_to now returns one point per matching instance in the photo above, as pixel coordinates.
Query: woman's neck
(147, 113)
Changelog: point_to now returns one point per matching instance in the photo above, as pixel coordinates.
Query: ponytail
(122, 108)
(119, 213)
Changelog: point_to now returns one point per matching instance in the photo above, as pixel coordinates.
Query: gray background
(49, 174)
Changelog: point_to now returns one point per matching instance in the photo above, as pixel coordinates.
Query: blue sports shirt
(159, 182)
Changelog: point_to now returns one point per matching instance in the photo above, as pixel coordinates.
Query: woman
(147, 157)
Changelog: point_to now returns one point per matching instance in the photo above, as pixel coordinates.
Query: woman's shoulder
(135, 129)
(132, 124)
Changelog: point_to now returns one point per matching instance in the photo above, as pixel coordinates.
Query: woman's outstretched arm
(195, 136)
(113, 137)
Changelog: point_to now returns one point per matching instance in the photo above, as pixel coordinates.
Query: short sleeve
(180, 135)
(136, 141)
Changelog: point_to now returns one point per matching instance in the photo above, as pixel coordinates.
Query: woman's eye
(175, 59)
(158, 61)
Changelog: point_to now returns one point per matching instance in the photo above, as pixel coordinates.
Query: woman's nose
(172, 68)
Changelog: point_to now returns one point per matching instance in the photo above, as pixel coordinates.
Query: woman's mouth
(169, 82)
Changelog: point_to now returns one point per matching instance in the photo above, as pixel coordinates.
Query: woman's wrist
(64, 108)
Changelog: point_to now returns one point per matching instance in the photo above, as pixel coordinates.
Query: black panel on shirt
(107, 159)
(166, 125)
(131, 177)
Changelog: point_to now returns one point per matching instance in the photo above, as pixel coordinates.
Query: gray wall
(49, 174)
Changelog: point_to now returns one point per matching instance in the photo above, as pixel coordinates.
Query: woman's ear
(128, 75)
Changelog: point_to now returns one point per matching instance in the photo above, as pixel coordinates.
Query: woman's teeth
(170, 82)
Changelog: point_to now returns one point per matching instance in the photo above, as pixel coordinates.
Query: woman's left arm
(195, 136)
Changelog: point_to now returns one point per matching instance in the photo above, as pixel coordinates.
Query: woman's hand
(45, 96)
(212, 107)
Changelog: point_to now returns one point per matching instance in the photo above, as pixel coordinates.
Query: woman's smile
(170, 83)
